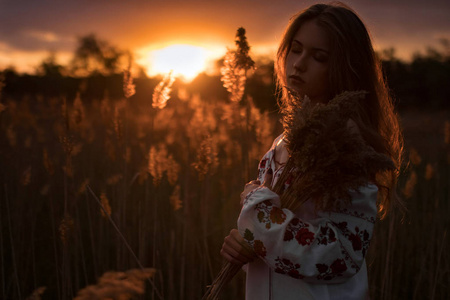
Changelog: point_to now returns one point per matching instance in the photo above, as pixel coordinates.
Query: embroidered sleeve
(329, 248)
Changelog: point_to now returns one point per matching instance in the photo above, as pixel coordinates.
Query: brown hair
(353, 66)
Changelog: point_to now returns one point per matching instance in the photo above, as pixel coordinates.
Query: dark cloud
(32, 25)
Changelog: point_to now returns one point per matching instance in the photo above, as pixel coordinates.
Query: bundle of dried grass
(328, 157)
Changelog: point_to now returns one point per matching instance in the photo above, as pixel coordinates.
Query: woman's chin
(296, 91)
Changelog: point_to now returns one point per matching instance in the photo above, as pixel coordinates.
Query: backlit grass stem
(124, 240)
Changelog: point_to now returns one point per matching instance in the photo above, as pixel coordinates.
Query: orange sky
(29, 29)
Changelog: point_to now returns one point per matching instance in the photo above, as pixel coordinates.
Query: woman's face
(307, 63)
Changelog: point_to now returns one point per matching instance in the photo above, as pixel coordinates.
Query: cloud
(45, 36)
(30, 25)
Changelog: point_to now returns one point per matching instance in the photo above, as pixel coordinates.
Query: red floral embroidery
(360, 239)
(300, 231)
(289, 179)
(356, 241)
(326, 236)
(337, 268)
(285, 266)
(304, 237)
(269, 214)
(357, 214)
(262, 163)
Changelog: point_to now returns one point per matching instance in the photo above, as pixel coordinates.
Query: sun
(185, 61)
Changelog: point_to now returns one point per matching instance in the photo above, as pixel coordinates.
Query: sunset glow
(182, 60)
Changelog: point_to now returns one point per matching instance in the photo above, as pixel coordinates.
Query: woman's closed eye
(320, 56)
(297, 49)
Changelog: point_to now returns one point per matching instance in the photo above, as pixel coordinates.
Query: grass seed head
(175, 200)
(105, 203)
(161, 93)
(408, 190)
(11, 135)
(78, 111)
(45, 189)
(114, 179)
(65, 228)
(25, 179)
(156, 163)
(233, 77)
(83, 186)
(37, 293)
(118, 285)
(2, 107)
(447, 132)
(118, 125)
(129, 89)
(244, 61)
(207, 159)
(414, 157)
(429, 172)
(48, 164)
(173, 169)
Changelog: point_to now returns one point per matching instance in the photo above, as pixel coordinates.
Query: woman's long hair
(353, 66)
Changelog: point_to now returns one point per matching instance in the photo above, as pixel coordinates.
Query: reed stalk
(2, 257)
(13, 251)
(158, 294)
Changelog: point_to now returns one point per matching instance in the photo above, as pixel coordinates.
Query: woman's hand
(248, 188)
(236, 250)
(256, 183)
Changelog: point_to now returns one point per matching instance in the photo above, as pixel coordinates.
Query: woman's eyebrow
(313, 48)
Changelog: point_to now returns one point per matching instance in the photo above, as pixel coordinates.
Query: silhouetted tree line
(422, 83)
(96, 70)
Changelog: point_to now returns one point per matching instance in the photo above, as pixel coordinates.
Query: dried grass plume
(118, 285)
(161, 94)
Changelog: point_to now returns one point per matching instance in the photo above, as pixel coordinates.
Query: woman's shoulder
(277, 140)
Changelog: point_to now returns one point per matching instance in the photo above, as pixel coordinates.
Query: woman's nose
(300, 63)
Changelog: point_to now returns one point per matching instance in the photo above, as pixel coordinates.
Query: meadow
(169, 175)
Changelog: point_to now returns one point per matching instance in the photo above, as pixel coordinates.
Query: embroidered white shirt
(303, 254)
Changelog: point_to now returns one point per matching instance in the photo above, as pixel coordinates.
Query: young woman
(317, 250)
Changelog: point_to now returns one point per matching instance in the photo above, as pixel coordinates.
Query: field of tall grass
(122, 198)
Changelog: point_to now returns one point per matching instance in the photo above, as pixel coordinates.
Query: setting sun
(185, 61)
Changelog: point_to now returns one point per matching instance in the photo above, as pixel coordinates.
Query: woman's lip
(296, 78)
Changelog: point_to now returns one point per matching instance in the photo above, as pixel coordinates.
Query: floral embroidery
(262, 163)
(300, 231)
(356, 214)
(337, 268)
(289, 179)
(269, 214)
(326, 236)
(285, 266)
(304, 237)
(351, 241)
(360, 239)
(349, 260)
(257, 245)
(248, 235)
(250, 194)
(259, 248)
(356, 241)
